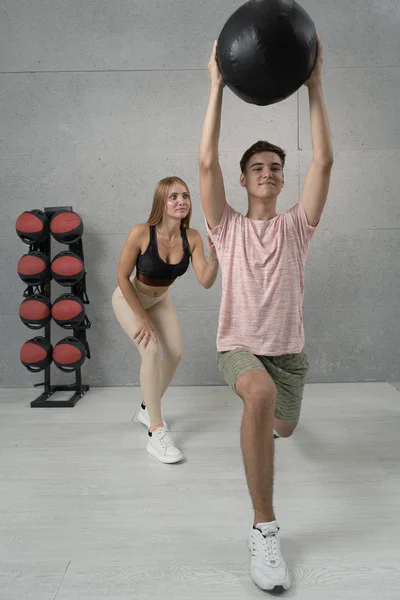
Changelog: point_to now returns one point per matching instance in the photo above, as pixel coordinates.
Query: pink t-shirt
(262, 265)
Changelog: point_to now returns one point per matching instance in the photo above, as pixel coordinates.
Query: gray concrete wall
(99, 100)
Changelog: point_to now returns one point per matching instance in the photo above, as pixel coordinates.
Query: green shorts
(288, 372)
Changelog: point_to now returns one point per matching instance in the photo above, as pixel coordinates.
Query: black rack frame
(79, 332)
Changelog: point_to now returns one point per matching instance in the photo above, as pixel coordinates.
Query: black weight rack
(78, 388)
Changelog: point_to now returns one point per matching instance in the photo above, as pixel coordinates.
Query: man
(260, 335)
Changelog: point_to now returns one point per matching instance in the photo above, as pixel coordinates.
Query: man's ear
(242, 180)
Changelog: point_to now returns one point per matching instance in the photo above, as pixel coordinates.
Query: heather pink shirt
(262, 266)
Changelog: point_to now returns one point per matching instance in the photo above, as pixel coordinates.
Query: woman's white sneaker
(268, 568)
(161, 445)
(144, 417)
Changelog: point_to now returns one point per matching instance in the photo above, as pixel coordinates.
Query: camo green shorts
(288, 371)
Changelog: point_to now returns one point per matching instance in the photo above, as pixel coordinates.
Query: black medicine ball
(69, 354)
(267, 50)
(36, 354)
(67, 268)
(66, 227)
(32, 226)
(33, 268)
(35, 312)
(68, 311)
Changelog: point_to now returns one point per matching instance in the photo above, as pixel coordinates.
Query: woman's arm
(206, 272)
(126, 264)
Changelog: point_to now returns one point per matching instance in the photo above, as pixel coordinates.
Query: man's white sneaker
(268, 568)
(144, 417)
(161, 445)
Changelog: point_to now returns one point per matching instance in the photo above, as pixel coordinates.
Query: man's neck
(261, 210)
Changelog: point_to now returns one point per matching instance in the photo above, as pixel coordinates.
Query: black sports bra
(152, 267)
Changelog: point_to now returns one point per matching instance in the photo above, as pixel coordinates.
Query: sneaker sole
(272, 587)
(168, 461)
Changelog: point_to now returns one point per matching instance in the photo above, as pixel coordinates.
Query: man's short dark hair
(261, 146)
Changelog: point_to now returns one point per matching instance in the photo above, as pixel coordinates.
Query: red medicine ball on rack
(36, 354)
(35, 311)
(33, 268)
(68, 311)
(69, 354)
(67, 268)
(32, 226)
(66, 227)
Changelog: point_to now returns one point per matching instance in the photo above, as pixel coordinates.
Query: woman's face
(178, 201)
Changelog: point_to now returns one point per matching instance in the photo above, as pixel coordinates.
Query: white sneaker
(161, 445)
(268, 568)
(144, 417)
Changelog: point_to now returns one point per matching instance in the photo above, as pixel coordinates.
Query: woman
(161, 250)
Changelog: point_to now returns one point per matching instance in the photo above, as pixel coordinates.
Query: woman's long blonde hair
(159, 198)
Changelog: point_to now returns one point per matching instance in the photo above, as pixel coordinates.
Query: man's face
(264, 175)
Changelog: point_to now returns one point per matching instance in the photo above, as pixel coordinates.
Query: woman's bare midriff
(150, 290)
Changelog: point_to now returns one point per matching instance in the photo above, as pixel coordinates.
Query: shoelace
(270, 547)
(164, 438)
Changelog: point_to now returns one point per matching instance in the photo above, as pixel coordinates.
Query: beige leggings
(155, 374)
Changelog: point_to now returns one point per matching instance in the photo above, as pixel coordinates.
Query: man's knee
(257, 390)
(283, 429)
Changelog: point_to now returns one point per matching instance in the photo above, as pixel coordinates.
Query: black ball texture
(267, 50)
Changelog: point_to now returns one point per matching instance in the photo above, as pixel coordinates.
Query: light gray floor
(86, 513)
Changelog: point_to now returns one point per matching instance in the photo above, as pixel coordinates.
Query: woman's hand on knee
(145, 332)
